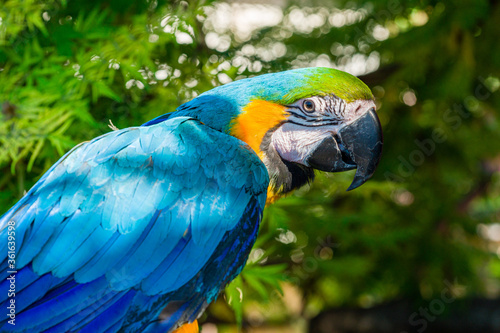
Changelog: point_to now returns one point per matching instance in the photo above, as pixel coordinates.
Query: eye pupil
(308, 106)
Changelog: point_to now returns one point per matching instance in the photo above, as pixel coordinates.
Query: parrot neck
(284, 176)
(255, 120)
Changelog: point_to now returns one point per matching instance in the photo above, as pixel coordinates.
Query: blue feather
(112, 315)
(55, 310)
(93, 244)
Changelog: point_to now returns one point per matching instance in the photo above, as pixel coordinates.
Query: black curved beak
(358, 145)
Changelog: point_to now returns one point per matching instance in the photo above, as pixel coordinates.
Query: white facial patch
(356, 109)
(295, 143)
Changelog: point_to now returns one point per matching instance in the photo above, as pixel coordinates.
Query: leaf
(258, 277)
(101, 89)
(35, 153)
(234, 297)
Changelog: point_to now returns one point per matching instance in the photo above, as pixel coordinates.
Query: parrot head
(297, 121)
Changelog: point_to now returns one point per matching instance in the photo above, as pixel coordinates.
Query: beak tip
(357, 182)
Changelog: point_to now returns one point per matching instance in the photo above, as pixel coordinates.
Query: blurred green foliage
(429, 214)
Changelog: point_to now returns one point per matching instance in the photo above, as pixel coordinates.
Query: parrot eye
(308, 105)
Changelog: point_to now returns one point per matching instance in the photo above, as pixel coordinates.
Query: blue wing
(139, 210)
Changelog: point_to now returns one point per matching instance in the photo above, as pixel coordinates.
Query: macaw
(160, 218)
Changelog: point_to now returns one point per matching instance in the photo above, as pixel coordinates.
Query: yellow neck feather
(257, 118)
(188, 328)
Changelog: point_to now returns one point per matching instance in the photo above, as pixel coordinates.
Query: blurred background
(416, 249)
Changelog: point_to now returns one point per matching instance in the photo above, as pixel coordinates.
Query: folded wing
(129, 209)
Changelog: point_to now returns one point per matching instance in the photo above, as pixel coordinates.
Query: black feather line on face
(284, 176)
